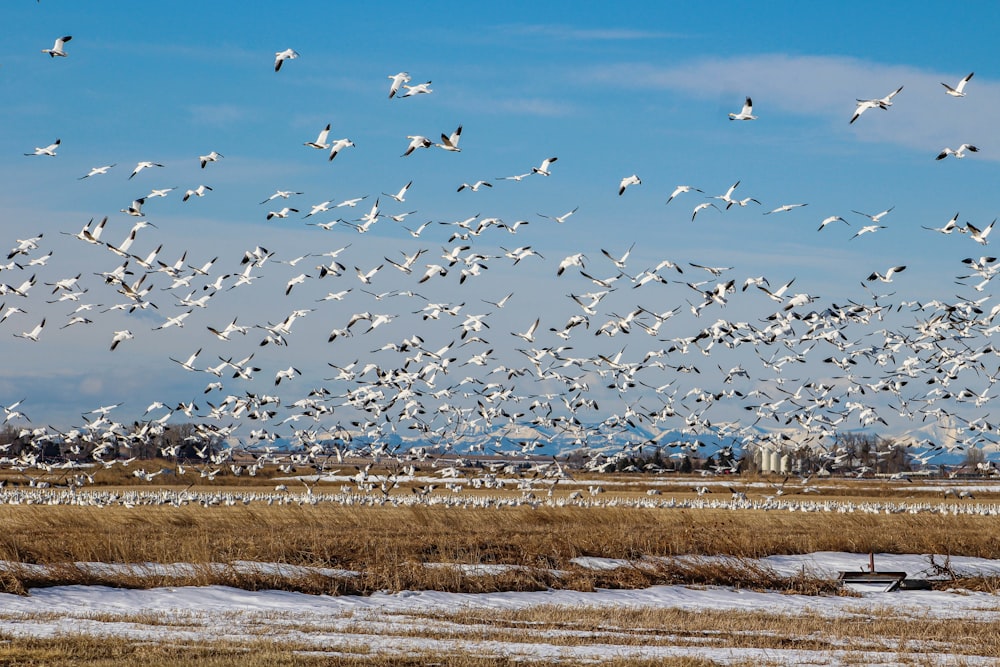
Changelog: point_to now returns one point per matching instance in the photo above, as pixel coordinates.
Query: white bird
(867, 229)
(681, 189)
(979, 236)
(887, 278)
(282, 194)
(339, 145)
(321, 143)
(877, 217)
(57, 48)
(450, 143)
(282, 56)
(96, 171)
(143, 165)
(416, 141)
(211, 157)
(560, 218)
(33, 334)
(701, 207)
(474, 186)
(832, 218)
(283, 213)
(135, 208)
(746, 113)
(627, 181)
(959, 89)
(529, 335)
(120, 336)
(397, 80)
(543, 169)
(957, 152)
(419, 89)
(189, 364)
(400, 196)
(783, 208)
(881, 103)
(49, 150)
(297, 280)
(948, 228)
(197, 192)
(286, 374)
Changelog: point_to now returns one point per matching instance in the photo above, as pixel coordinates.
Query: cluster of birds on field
(443, 376)
(350, 497)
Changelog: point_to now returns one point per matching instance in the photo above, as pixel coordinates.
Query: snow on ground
(392, 623)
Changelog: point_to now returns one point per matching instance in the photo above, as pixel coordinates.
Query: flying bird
(49, 150)
(959, 152)
(211, 157)
(397, 80)
(419, 89)
(783, 208)
(96, 171)
(830, 219)
(627, 181)
(57, 48)
(143, 165)
(281, 56)
(543, 169)
(197, 192)
(680, 189)
(474, 186)
(321, 142)
(887, 278)
(746, 113)
(959, 89)
(416, 141)
(450, 143)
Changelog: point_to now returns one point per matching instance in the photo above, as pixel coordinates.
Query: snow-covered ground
(401, 623)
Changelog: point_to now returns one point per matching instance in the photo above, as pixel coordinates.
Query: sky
(610, 92)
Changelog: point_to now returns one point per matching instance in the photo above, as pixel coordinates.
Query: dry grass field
(311, 543)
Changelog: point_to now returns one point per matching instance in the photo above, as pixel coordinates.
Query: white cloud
(826, 87)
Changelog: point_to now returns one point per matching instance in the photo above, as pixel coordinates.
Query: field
(698, 572)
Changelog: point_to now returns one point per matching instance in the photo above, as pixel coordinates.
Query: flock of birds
(447, 378)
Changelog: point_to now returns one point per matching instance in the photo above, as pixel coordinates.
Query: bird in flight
(397, 81)
(627, 181)
(49, 150)
(746, 113)
(957, 152)
(959, 89)
(57, 48)
(543, 169)
(281, 56)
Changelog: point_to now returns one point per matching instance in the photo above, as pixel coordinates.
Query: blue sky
(609, 91)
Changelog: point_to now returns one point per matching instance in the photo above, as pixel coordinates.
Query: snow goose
(398, 80)
(959, 152)
(49, 150)
(543, 169)
(57, 48)
(959, 89)
(450, 143)
(681, 189)
(746, 113)
(281, 56)
(626, 182)
(321, 142)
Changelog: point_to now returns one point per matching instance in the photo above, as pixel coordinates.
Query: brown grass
(388, 545)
